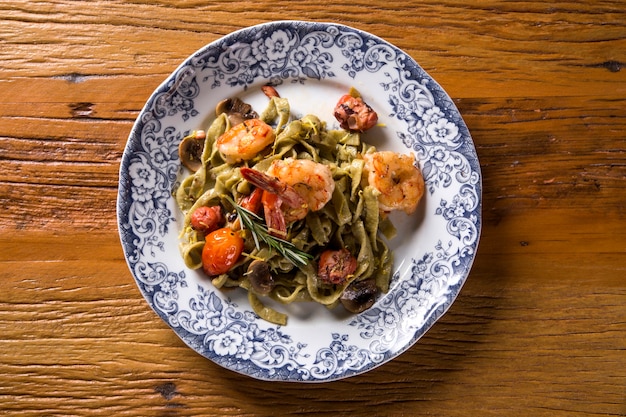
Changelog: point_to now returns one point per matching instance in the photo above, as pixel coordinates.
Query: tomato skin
(221, 251)
(207, 219)
(354, 114)
(336, 266)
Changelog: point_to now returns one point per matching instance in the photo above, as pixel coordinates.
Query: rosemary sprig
(260, 233)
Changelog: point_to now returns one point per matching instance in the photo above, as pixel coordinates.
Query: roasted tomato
(221, 251)
(354, 114)
(207, 219)
(336, 266)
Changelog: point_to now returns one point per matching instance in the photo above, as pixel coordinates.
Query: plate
(311, 64)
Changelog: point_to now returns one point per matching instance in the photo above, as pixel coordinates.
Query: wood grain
(539, 328)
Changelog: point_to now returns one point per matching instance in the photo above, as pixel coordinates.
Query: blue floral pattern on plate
(433, 258)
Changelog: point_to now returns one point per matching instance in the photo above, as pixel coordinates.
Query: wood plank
(486, 329)
(539, 327)
(529, 36)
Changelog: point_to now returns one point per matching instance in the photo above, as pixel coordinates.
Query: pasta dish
(290, 210)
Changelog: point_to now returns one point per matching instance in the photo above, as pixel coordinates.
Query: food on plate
(207, 219)
(291, 188)
(354, 114)
(221, 251)
(336, 266)
(397, 179)
(190, 150)
(245, 141)
(290, 210)
(236, 110)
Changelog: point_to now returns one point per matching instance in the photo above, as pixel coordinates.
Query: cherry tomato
(221, 251)
(335, 266)
(354, 114)
(245, 140)
(207, 219)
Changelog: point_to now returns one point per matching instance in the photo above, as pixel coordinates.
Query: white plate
(311, 64)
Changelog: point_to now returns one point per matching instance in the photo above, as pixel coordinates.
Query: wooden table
(539, 328)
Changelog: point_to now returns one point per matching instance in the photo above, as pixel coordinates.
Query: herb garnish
(260, 233)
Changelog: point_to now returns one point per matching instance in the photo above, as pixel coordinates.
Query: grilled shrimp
(296, 186)
(311, 180)
(397, 179)
(245, 140)
(274, 193)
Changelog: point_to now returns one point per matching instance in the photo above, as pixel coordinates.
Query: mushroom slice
(190, 150)
(260, 277)
(360, 295)
(236, 110)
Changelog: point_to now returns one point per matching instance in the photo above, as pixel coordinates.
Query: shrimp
(274, 186)
(397, 179)
(274, 217)
(245, 140)
(301, 184)
(273, 194)
(312, 180)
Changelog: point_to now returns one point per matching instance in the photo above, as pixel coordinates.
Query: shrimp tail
(252, 202)
(274, 218)
(273, 185)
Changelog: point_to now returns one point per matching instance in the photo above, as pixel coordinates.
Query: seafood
(274, 216)
(273, 194)
(245, 140)
(274, 186)
(311, 180)
(292, 188)
(275, 221)
(397, 179)
(222, 249)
